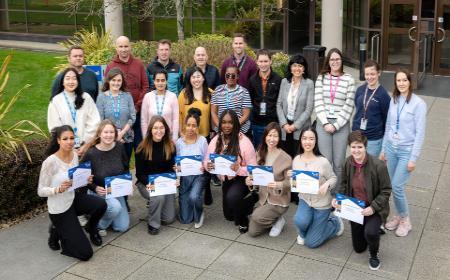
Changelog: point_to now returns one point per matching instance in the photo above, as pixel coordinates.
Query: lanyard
(241, 63)
(366, 103)
(333, 91)
(399, 111)
(116, 110)
(160, 105)
(228, 95)
(73, 112)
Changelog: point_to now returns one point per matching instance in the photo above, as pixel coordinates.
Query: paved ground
(219, 251)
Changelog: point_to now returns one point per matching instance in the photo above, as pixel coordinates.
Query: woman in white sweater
(64, 205)
(73, 107)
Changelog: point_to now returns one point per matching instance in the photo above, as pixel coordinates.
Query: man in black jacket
(264, 88)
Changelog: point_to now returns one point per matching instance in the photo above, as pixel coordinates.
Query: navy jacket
(211, 74)
(174, 71)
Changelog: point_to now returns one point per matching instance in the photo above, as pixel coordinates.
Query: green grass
(36, 69)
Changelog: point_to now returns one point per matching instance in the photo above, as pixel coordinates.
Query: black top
(158, 163)
(211, 74)
(270, 98)
(106, 163)
(88, 83)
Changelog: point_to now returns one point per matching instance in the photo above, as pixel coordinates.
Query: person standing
(244, 63)
(211, 72)
(135, 78)
(402, 144)
(264, 87)
(88, 79)
(372, 105)
(163, 61)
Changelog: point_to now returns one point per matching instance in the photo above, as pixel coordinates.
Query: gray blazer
(304, 107)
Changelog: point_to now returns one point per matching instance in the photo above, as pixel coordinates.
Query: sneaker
(83, 221)
(341, 226)
(393, 223)
(200, 222)
(243, 229)
(300, 240)
(152, 230)
(53, 239)
(374, 262)
(404, 227)
(277, 228)
(216, 181)
(102, 232)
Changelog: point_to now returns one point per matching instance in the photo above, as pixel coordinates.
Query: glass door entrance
(442, 38)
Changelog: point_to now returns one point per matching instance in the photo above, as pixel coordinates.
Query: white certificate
(165, 183)
(222, 164)
(118, 186)
(305, 181)
(262, 175)
(189, 165)
(350, 209)
(80, 175)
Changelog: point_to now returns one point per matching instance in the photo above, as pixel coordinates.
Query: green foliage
(144, 50)
(280, 62)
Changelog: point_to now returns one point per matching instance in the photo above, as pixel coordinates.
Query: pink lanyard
(333, 91)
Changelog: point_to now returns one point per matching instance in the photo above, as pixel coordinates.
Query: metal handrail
(421, 75)
(374, 38)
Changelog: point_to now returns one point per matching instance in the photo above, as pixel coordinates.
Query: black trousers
(290, 145)
(234, 207)
(367, 234)
(74, 242)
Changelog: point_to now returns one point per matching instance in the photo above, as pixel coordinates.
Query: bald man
(211, 72)
(135, 77)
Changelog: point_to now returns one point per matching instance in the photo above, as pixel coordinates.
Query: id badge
(363, 125)
(262, 108)
(77, 142)
(396, 136)
(331, 113)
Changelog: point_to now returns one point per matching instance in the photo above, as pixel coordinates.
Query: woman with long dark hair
(313, 218)
(64, 206)
(273, 198)
(229, 141)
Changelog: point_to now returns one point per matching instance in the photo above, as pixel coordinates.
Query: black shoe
(208, 196)
(96, 239)
(374, 262)
(243, 229)
(216, 181)
(126, 203)
(53, 239)
(152, 230)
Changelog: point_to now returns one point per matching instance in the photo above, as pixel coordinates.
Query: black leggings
(233, 193)
(367, 234)
(74, 242)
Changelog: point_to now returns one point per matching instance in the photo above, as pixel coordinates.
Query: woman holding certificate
(191, 186)
(365, 178)
(230, 143)
(402, 143)
(313, 218)
(63, 205)
(108, 158)
(156, 155)
(275, 197)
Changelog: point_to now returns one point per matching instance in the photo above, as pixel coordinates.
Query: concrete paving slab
(433, 154)
(216, 225)
(294, 267)
(438, 221)
(246, 262)
(350, 274)
(432, 244)
(195, 249)
(68, 276)
(137, 239)
(210, 275)
(110, 262)
(163, 269)
(419, 196)
(430, 268)
(426, 174)
(447, 158)
(440, 201)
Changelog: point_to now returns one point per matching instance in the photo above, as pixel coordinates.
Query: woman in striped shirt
(333, 104)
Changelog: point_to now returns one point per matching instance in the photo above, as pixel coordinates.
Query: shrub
(19, 179)
(280, 62)
(144, 50)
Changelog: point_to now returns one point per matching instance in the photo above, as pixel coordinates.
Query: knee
(114, 208)
(359, 249)
(372, 235)
(300, 223)
(312, 242)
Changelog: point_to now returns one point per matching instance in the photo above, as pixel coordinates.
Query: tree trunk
(213, 16)
(261, 26)
(180, 19)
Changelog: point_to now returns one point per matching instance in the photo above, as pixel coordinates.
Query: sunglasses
(230, 76)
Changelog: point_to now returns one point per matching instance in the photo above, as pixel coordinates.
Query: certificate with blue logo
(261, 175)
(189, 165)
(80, 175)
(222, 164)
(350, 208)
(118, 186)
(305, 181)
(165, 183)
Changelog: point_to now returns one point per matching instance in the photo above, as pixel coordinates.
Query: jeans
(397, 164)
(258, 131)
(374, 147)
(315, 226)
(116, 214)
(191, 197)
(367, 235)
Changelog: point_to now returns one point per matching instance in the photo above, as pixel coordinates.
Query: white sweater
(87, 119)
(53, 173)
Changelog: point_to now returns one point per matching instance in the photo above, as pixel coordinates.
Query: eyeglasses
(230, 76)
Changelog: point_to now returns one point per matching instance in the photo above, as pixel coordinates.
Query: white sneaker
(341, 226)
(200, 223)
(300, 240)
(83, 221)
(102, 232)
(277, 228)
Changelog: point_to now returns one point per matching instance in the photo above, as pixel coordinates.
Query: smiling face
(158, 131)
(335, 63)
(238, 45)
(263, 63)
(231, 77)
(358, 151)
(402, 83)
(76, 58)
(371, 75)
(123, 48)
(227, 124)
(297, 70)
(66, 141)
(115, 83)
(191, 127)
(163, 52)
(70, 81)
(272, 139)
(308, 141)
(200, 57)
(160, 82)
(108, 135)
(197, 80)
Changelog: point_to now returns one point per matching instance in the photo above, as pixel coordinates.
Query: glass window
(400, 15)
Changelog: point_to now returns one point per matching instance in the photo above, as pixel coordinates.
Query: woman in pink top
(163, 103)
(229, 141)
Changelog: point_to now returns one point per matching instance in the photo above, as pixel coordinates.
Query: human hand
(368, 211)
(323, 189)
(65, 185)
(411, 166)
(100, 191)
(150, 187)
(249, 181)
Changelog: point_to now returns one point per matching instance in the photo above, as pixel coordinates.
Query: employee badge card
(165, 183)
(305, 181)
(79, 175)
(350, 208)
(189, 165)
(262, 175)
(117, 186)
(222, 164)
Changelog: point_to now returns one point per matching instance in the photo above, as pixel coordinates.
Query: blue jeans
(258, 131)
(315, 226)
(374, 147)
(397, 164)
(191, 198)
(116, 214)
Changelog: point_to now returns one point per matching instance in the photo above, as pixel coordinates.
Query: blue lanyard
(116, 110)
(241, 62)
(399, 111)
(228, 94)
(73, 111)
(160, 105)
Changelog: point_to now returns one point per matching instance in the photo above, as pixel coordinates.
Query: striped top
(236, 100)
(342, 106)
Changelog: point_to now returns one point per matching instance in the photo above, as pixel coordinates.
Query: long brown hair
(100, 128)
(263, 149)
(111, 74)
(396, 93)
(326, 64)
(146, 146)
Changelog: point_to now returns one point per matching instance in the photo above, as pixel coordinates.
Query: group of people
(245, 110)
